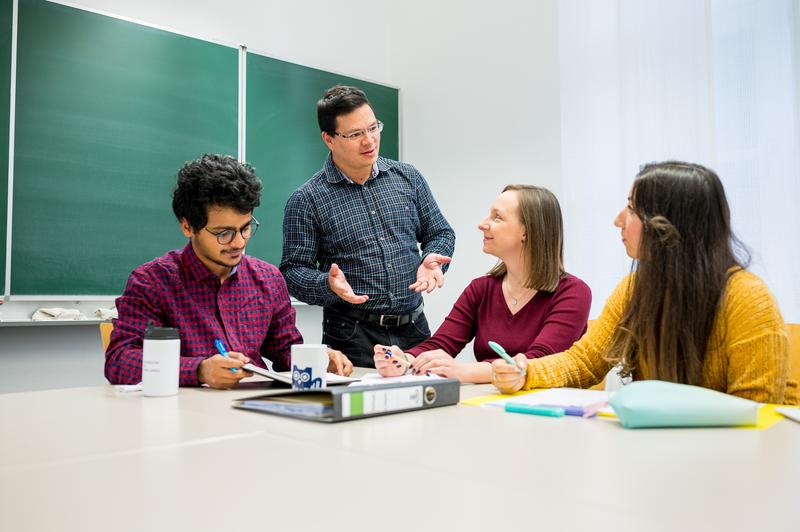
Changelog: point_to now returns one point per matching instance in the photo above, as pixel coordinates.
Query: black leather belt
(384, 320)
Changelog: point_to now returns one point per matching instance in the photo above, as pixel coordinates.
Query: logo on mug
(301, 379)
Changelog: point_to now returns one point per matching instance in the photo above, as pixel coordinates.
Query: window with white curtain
(713, 82)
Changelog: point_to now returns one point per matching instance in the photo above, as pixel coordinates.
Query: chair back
(105, 333)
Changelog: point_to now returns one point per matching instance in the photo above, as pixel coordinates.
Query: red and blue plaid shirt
(251, 312)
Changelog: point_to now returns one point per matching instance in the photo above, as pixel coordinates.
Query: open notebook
(285, 377)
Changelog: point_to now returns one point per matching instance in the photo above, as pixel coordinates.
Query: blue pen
(223, 351)
(497, 348)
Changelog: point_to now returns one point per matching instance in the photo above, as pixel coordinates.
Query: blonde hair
(540, 215)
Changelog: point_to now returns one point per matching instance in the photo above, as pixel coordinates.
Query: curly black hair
(218, 180)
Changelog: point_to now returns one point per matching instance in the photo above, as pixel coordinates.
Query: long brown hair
(686, 254)
(540, 215)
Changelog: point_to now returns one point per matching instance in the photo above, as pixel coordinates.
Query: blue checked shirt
(371, 231)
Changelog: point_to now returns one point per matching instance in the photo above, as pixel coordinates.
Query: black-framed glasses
(373, 130)
(227, 236)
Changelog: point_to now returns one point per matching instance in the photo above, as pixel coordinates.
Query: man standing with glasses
(210, 290)
(352, 236)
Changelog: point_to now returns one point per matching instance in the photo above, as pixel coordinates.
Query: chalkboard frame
(6, 51)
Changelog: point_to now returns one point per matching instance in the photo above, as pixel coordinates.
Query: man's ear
(328, 140)
(188, 232)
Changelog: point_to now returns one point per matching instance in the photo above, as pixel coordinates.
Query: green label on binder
(378, 401)
(356, 403)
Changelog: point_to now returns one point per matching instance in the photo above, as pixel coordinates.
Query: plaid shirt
(371, 231)
(251, 312)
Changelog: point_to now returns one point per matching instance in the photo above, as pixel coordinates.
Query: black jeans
(356, 338)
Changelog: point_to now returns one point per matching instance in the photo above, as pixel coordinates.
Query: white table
(94, 459)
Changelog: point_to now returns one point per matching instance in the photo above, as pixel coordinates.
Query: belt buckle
(389, 320)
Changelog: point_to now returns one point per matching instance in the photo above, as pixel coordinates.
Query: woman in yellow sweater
(688, 313)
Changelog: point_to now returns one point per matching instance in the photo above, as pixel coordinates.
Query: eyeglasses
(227, 236)
(373, 130)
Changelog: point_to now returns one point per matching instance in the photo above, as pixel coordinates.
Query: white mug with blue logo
(309, 366)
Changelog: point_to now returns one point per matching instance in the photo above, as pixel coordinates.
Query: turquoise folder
(649, 404)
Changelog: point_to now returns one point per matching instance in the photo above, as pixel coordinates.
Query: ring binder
(331, 405)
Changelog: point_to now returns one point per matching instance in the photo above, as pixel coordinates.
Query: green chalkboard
(6, 14)
(106, 112)
(283, 139)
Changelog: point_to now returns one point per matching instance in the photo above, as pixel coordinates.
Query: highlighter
(537, 410)
(497, 348)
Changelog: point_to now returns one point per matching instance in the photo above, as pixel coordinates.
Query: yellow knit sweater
(752, 361)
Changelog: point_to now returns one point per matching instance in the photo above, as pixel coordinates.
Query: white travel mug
(161, 357)
(309, 366)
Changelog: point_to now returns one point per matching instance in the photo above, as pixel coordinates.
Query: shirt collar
(334, 175)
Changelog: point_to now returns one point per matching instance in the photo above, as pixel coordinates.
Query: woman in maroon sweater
(527, 303)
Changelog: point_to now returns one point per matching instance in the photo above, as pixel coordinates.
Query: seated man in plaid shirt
(210, 289)
(352, 236)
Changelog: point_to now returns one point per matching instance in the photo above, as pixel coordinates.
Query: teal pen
(537, 410)
(497, 348)
(223, 351)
